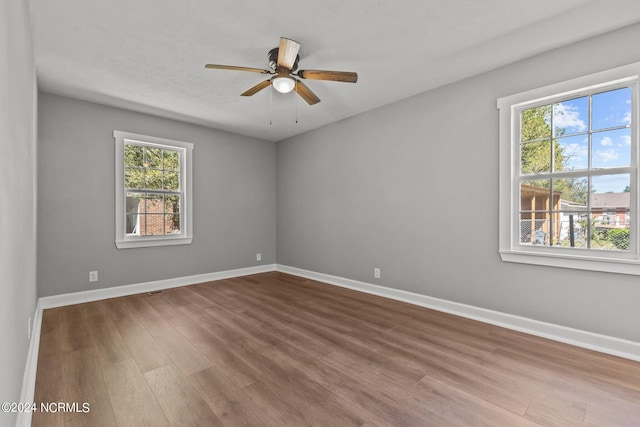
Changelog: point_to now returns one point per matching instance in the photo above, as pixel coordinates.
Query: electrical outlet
(93, 276)
(376, 273)
(258, 257)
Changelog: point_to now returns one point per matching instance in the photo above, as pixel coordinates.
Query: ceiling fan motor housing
(273, 60)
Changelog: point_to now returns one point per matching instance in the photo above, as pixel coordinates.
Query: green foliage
(151, 168)
(537, 142)
(619, 237)
(535, 153)
(573, 190)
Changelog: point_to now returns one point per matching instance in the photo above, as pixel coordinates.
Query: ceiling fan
(283, 61)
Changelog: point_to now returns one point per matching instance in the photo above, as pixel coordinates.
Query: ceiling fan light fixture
(283, 63)
(283, 84)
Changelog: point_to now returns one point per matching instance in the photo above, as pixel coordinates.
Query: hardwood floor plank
(64, 331)
(179, 400)
(143, 347)
(612, 411)
(183, 354)
(549, 417)
(272, 407)
(73, 377)
(106, 339)
(131, 398)
(216, 351)
(225, 398)
(571, 408)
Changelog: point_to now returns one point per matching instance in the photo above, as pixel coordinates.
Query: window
(153, 191)
(568, 173)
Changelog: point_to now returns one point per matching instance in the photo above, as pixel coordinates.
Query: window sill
(155, 241)
(621, 266)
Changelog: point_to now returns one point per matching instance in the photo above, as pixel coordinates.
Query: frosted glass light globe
(283, 84)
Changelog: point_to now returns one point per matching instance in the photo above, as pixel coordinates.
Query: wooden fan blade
(287, 52)
(306, 93)
(338, 76)
(234, 68)
(257, 88)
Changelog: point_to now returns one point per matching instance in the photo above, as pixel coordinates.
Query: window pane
(570, 117)
(608, 184)
(171, 181)
(571, 193)
(171, 160)
(154, 225)
(534, 194)
(172, 209)
(134, 178)
(611, 148)
(153, 203)
(572, 153)
(133, 156)
(132, 217)
(153, 158)
(153, 179)
(535, 157)
(534, 212)
(570, 223)
(570, 229)
(172, 204)
(609, 205)
(172, 225)
(535, 123)
(611, 109)
(605, 235)
(534, 229)
(610, 212)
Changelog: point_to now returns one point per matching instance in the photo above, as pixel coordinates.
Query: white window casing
(123, 239)
(511, 248)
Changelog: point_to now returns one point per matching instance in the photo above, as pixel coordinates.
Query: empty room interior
(365, 213)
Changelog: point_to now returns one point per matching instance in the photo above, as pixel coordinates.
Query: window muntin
(153, 191)
(571, 151)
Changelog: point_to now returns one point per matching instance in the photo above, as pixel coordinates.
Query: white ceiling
(149, 55)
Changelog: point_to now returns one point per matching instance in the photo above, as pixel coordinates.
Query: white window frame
(122, 239)
(510, 249)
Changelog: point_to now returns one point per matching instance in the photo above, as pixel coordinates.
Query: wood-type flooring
(278, 350)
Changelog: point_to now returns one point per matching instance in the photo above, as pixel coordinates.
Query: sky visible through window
(607, 121)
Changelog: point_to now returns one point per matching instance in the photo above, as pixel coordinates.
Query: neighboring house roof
(611, 200)
(568, 205)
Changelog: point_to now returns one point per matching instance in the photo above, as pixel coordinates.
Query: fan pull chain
(296, 101)
(270, 106)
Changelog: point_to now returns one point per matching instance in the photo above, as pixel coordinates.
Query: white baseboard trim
(592, 341)
(31, 365)
(138, 288)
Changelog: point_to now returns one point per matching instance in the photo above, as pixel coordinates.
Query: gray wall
(17, 197)
(233, 195)
(412, 188)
